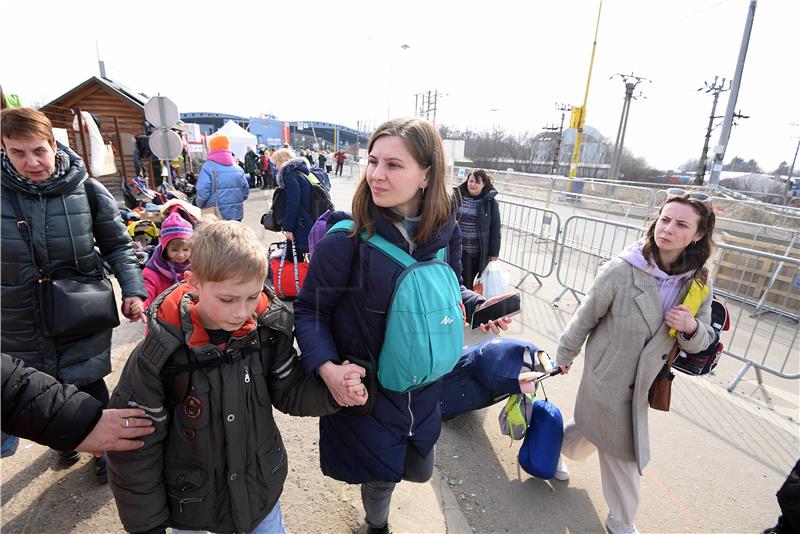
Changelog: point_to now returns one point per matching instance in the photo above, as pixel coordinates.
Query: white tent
(239, 137)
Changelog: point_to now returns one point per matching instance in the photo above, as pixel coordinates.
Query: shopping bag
(477, 285)
(288, 277)
(495, 280)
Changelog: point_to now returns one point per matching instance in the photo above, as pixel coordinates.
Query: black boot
(101, 468)
(67, 458)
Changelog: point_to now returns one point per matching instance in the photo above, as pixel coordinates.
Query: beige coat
(628, 343)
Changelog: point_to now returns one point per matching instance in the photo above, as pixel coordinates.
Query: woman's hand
(499, 324)
(565, 369)
(680, 318)
(288, 235)
(344, 382)
(117, 430)
(133, 308)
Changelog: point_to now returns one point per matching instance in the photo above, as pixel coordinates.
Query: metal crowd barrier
(587, 243)
(529, 239)
(759, 282)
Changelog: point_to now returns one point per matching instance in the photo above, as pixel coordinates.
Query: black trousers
(339, 168)
(470, 267)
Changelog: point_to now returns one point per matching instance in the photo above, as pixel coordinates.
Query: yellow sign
(577, 119)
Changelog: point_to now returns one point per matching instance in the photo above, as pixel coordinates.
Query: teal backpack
(425, 324)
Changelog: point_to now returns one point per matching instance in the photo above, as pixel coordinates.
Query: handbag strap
(25, 230)
(673, 355)
(216, 180)
(296, 269)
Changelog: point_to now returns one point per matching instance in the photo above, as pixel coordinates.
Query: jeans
(377, 496)
(272, 524)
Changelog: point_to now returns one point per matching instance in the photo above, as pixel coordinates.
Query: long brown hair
(426, 147)
(695, 256)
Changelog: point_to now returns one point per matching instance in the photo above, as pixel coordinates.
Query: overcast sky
(503, 63)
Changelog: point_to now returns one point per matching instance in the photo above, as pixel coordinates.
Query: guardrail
(586, 243)
(760, 282)
(529, 240)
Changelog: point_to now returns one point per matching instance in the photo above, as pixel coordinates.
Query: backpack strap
(382, 244)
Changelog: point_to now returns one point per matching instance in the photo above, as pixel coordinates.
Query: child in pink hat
(171, 257)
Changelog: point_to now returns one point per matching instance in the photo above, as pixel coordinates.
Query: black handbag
(71, 307)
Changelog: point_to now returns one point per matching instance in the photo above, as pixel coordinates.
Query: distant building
(595, 157)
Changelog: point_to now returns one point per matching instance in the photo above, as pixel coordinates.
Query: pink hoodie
(223, 157)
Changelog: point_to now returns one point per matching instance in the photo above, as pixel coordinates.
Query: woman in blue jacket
(341, 313)
(297, 221)
(222, 182)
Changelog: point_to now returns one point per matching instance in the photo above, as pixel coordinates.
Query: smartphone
(510, 305)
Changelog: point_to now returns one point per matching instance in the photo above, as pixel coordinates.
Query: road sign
(166, 144)
(161, 112)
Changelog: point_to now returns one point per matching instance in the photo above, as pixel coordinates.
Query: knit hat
(174, 227)
(219, 142)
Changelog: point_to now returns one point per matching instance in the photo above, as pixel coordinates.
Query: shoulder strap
(389, 249)
(216, 180)
(25, 230)
(91, 196)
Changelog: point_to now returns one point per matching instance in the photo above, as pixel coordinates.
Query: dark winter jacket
(250, 161)
(341, 312)
(62, 230)
(216, 460)
(488, 221)
(297, 218)
(38, 408)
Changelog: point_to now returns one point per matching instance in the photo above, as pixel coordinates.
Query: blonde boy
(218, 354)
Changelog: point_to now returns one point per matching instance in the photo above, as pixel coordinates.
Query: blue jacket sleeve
(203, 186)
(325, 284)
(292, 192)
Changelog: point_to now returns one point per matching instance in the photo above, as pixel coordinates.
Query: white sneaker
(562, 473)
(615, 526)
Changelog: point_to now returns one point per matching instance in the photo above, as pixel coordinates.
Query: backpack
(322, 176)
(425, 323)
(319, 200)
(539, 452)
(705, 361)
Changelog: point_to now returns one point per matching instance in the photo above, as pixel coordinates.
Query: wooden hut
(119, 109)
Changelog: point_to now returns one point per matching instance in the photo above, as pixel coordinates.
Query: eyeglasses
(677, 192)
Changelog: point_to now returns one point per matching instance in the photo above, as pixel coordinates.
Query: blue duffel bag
(540, 449)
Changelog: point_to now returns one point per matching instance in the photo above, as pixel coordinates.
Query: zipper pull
(246, 375)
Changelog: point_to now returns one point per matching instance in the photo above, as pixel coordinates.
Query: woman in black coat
(479, 219)
(38, 408)
(65, 215)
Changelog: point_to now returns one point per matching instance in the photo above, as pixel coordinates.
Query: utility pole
(630, 81)
(791, 169)
(727, 123)
(716, 90)
(426, 104)
(581, 119)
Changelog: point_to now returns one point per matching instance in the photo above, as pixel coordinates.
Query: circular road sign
(166, 144)
(161, 112)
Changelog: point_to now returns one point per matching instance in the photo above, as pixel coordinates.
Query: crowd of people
(194, 446)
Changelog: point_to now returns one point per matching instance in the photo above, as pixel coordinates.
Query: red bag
(288, 278)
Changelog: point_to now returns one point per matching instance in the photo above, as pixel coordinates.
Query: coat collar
(648, 300)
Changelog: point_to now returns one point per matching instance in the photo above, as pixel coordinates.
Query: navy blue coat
(341, 311)
(297, 218)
